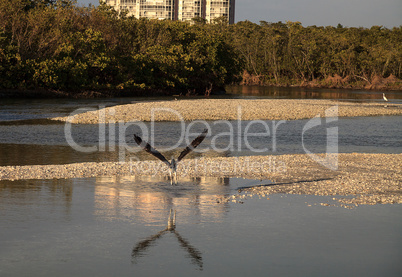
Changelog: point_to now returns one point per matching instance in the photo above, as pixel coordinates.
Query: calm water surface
(20, 144)
(27, 109)
(108, 226)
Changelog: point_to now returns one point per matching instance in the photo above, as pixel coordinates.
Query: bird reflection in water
(142, 246)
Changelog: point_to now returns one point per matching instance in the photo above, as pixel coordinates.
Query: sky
(349, 13)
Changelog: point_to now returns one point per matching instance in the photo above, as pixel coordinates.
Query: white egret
(384, 97)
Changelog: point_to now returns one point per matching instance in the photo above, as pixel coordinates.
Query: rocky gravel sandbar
(230, 109)
(368, 178)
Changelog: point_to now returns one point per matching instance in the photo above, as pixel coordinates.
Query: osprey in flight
(173, 163)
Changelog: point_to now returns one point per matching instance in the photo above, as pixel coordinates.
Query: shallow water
(106, 226)
(27, 109)
(109, 226)
(303, 93)
(20, 144)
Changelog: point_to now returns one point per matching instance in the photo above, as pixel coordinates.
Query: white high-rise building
(188, 9)
(155, 9)
(215, 9)
(183, 10)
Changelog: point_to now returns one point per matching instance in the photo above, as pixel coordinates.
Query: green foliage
(58, 45)
(279, 51)
(55, 44)
(9, 62)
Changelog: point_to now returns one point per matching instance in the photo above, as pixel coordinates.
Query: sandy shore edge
(368, 178)
(231, 109)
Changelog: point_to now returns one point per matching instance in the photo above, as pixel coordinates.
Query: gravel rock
(229, 109)
(368, 178)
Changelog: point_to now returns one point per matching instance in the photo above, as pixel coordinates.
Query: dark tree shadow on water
(141, 247)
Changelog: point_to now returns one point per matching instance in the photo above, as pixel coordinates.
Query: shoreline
(360, 179)
(390, 83)
(231, 109)
(112, 93)
(81, 94)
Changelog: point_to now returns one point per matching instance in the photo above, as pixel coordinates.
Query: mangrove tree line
(59, 45)
(290, 53)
